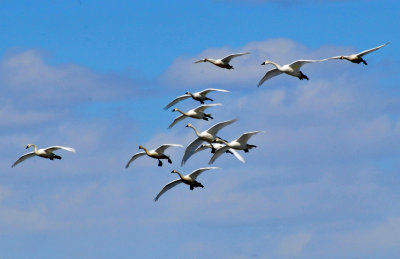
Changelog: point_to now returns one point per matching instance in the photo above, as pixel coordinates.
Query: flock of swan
(218, 145)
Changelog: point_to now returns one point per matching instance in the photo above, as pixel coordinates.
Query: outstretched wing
(176, 100)
(371, 50)
(177, 119)
(228, 58)
(237, 155)
(134, 157)
(197, 172)
(53, 148)
(162, 148)
(298, 63)
(217, 127)
(218, 153)
(167, 187)
(270, 74)
(190, 150)
(206, 91)
(201, 108)
(24, 157)
(246, 136)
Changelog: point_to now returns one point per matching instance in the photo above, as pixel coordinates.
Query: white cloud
(293, 245)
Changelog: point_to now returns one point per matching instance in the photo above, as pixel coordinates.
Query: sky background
(95, 75)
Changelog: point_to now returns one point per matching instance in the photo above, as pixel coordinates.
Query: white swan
(222, 62)
(43, 152)
(217, 146)
(292, 69)
(207, 135)
(157, 153)
(196, 113)
(198, 96)
(189, 179)
(357, 58)
(238, 144)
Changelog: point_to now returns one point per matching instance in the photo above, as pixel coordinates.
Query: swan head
(189, 125)
(141, 147)
(266, 62)
(28, 146)
(188, 93)
(341, 57)
(174, 172)
(174, 110)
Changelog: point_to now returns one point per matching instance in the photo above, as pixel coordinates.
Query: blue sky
(322, 182)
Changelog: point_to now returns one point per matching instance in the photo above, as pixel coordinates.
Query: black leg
(159, 163)
(169, 160)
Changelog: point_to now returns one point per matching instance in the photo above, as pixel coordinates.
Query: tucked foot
(363, 61)
(246, 150)
(169, 160)
(205, 118)
(159, 163)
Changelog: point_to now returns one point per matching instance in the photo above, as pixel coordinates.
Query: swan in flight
(222, 62)
(357, 58)
(189, 179)
(43, 152)
(157, 153)
(198, 96)
(238, 144)
(292, 69)
(196, 113)
(207, 135)
(217, 146)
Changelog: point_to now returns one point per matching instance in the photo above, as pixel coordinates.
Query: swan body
(357, 58)
(189, 179)
(43, 152)
(237, 144)
(157, 153)
(207, 135)
(292, 69)
(196, 113)
(217, 146)
(222, 62)
(198, 96)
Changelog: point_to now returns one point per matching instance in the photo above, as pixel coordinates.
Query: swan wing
(228, 58)
(201, 108)
(24, 157)
(197, 172)
(176, 100)
(218, 153)
(134, 157)
(177, 119)
(246, 136)
(270, 74)
(237, 155)
(162, 148)
(371, 50)
(217, 127)
(190, 150)
(335, 57)
(206, 91)
(167, 187)
(298, 63)
(53, 148)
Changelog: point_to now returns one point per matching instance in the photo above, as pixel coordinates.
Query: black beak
(263, 63)
(26, 147)
(187, 126)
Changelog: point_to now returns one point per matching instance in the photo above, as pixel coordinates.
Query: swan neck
(275, 64)
(195, 130)
(180, 176)
(145, 150)
(180, 111)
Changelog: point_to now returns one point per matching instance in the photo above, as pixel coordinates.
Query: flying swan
(189, 179)
(207, 135)
(196, 113)
(238, 144)
(217, 146)
(198, 96)
(157, 153)
(222, 62)
(357, 58)
(43, 152)
(292, 69)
